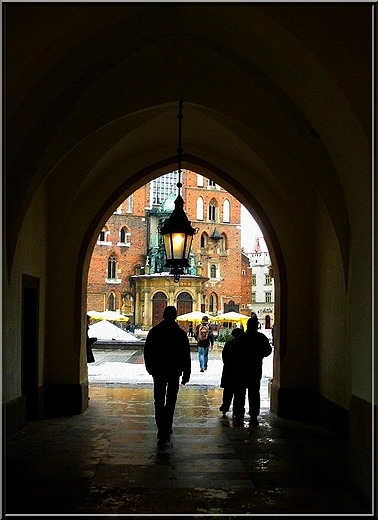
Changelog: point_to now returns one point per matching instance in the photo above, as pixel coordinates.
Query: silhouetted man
(167, 357)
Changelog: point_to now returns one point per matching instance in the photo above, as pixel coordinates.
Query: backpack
(203, 332)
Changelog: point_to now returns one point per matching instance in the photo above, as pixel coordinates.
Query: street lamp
(176, 231)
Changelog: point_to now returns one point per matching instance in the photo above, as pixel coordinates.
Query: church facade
(127, 271)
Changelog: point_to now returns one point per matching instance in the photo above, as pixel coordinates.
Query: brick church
(127, 270)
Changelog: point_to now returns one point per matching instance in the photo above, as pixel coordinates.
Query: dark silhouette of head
(236, 332)
(253, 323)
(205, 319)
(170, 313)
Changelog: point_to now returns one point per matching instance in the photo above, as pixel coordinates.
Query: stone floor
(106, 462)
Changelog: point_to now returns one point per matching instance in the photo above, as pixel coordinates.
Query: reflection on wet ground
(106, 461)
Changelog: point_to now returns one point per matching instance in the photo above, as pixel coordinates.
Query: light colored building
(262, 283)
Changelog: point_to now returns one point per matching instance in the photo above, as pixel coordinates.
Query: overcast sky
(249, 230)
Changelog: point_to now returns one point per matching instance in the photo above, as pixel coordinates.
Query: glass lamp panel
(178, 245)
(189, 239)
(168, 246)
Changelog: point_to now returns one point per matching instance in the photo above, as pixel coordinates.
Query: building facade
(127, 271)
(262, 283)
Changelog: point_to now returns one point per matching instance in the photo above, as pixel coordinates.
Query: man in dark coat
(250, 347)
(167, 357)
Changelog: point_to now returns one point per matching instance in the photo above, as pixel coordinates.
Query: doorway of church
(159, 303)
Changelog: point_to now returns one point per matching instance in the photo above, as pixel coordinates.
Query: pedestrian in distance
(228, 378)
(204, 337)
(167, 358)
(250, 349)
(89, 343)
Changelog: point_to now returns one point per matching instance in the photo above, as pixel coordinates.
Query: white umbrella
(104, 330)
(108, 315)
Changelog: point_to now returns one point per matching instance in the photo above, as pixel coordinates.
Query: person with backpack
(204, 337)
(167, 358)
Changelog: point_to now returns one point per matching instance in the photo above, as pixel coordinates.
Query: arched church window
(213, 271)
(112, 267)
(213, 302)
(226, 211)
(129, 204)
(111, 302)
(203, 240)
(212, 211)
(122, 235)
(200, 208)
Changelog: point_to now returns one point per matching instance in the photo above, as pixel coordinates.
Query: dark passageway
(106, 461)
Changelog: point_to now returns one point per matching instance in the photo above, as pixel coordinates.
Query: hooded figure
(250, 349)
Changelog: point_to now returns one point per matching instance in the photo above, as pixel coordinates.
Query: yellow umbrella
(231, 317)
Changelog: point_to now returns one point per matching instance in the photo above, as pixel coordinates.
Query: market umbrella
(93, 314)
(191, 316)
(107, 315)
(106, 331)
(230, 317)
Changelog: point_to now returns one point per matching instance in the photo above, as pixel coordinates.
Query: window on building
(102, 236)
(223, 244)
(243, 272)
(200, 208)
(253, 297)
(200, 181)
(204, 240)
(162, 186)
(226, 211)
(128, 303)
(211, 184)
(213, 303)
(267, 322)
(130, 204)
(268, 280)
(268, 297)
(122, 235)
(212, 211)
(253, 279)
(112, 267)
(213, 271)
(111, 302)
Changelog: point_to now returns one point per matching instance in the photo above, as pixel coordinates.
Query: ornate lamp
(176, 231)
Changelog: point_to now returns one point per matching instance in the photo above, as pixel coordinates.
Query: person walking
(228, 372)
(250, 349)
(167, 358)
(204, 337)
(89, 342)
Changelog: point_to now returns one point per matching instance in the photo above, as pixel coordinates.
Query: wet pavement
(106, 461)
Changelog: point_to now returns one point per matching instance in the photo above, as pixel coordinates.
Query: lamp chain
(179, 149)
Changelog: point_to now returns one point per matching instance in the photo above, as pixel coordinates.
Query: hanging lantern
(176, 231)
